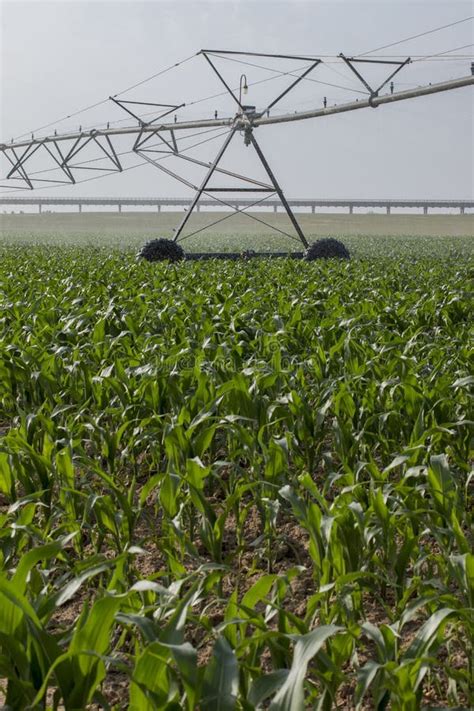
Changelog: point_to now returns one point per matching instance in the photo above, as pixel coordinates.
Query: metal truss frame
(158, 137)
(204, 189)
(215, 53)
(170, 107)
(62, 160)
(248, 114)
(350, 61)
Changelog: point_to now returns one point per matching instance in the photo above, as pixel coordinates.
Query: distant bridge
(162, 202)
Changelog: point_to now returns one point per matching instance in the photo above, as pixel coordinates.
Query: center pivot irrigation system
(155, 139)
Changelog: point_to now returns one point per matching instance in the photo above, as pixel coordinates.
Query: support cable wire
(440, 54)
(149, 113)
(421, 34)
(192, 103)
(106, 101)
(153, 76)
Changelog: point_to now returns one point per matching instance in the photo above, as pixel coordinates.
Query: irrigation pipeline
(244, 121)
(372, 102)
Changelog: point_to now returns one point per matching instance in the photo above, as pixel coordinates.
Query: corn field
(235, 485)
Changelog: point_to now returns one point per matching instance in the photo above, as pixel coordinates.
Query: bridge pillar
(275, 208)
(198, 208)
(351, 209)
(80, 207)
(313, 209)
(388, 209)
(425, 210)
(159, 208)
(39, 208)
(461, 210)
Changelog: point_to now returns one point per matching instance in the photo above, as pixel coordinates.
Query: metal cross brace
(373, 92)
(214, 167)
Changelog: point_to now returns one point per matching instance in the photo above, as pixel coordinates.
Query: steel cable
(421, 34)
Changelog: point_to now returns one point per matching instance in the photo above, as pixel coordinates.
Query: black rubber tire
(328, 248)
(160, 250)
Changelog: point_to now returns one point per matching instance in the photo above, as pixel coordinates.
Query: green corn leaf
(428, 633)
(365, 678)
(265, 686)
(221, 679)
(291, 695)
(441, 483)
(30, 559)
(89, 642)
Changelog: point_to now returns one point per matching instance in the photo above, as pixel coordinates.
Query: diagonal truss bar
(289, 88)
(260, 185)
(278, 190)
(358, 74)
(403, 64)
(139, 142)
(173, 138)
(223, 82)
(20, 169)
(112, 156)
(65, 168)
(23, 158)
(19, 166)
(204, 183)
(74, 150)
(114, 153)
(125, 109)
(139, 145)
(168, 171)
(77, 148)
(226, 172)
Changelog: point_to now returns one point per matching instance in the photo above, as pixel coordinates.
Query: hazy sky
(58, 57)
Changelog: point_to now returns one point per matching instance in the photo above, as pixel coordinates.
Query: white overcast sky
(58, 57)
